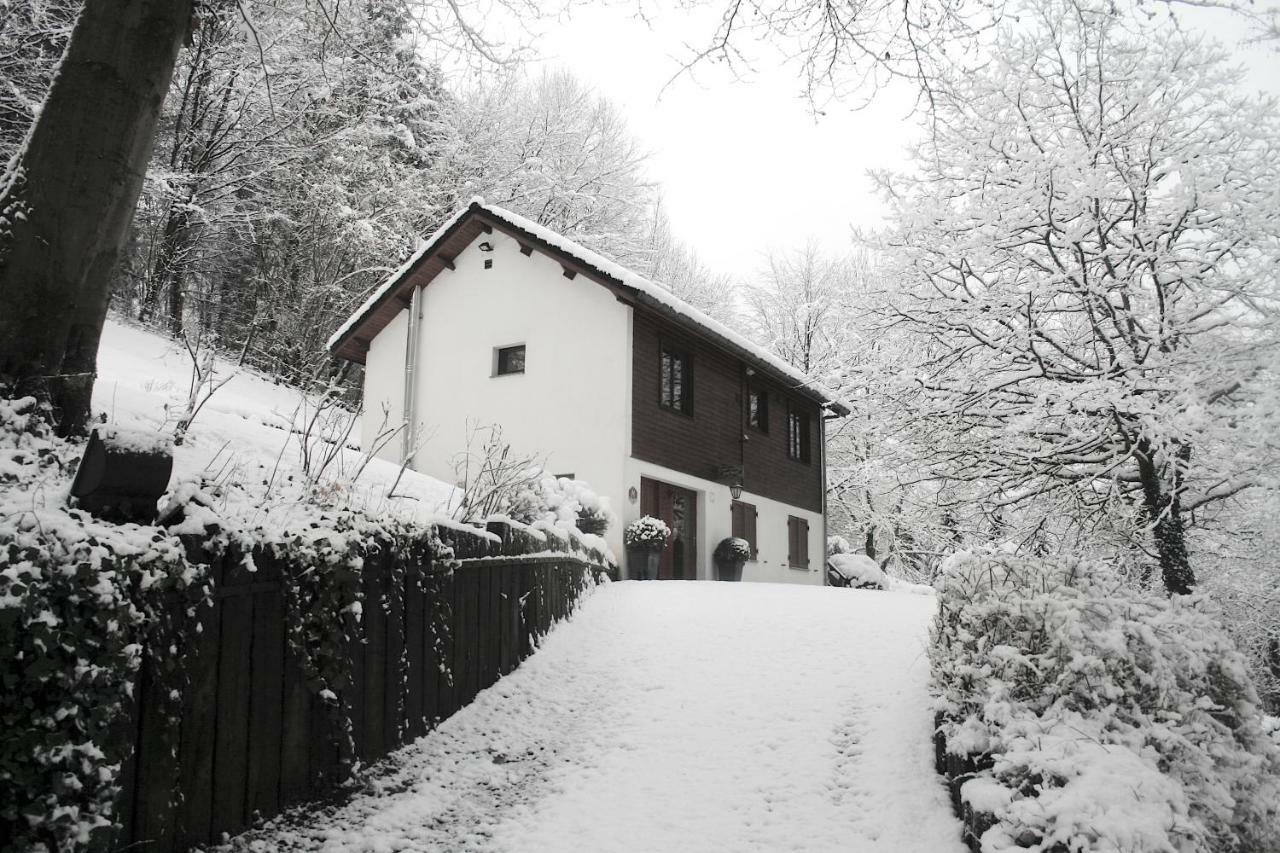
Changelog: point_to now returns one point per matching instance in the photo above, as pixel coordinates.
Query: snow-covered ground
(677, 716)
(250, 431)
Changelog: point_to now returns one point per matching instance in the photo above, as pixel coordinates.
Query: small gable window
(509, 360)
(758, 409)
(798, 435)
(676, 392)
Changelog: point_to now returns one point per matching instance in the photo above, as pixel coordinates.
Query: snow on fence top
(655, 294)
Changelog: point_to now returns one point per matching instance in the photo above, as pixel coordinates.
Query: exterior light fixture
(736, 490)
(486, 246)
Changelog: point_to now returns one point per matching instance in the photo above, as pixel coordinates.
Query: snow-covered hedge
(1093, 716)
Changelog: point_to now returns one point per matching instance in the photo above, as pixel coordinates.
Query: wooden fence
(254, 738)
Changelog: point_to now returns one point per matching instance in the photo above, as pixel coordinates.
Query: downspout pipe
(411, 349)
(822, 442)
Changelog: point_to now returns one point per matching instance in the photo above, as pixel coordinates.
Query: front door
(679, 509)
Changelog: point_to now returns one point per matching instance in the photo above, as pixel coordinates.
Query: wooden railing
(252, 737)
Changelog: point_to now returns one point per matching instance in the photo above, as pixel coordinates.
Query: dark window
(677, 381)
(758, 409)
(798, 435)
(744, 523)
(797, 542)
(510, 360)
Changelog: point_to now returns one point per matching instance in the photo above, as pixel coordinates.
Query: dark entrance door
(679, 509)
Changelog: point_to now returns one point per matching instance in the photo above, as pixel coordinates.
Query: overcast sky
(744, 164)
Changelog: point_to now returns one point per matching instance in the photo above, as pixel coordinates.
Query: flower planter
(642, 563)
(729, 570)
(729, 558)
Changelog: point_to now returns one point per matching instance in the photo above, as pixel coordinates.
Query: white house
(497, 320)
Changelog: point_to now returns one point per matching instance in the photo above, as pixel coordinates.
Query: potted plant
(645, 538)
(730, 556)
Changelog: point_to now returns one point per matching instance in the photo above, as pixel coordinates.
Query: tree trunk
(1164, 513)
(68, 197)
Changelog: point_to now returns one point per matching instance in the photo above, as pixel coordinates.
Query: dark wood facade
(714, 436)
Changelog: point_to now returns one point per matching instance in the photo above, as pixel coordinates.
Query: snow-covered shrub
(857, 571)
(648, 533)
(1110, 718)
(732, 550)
(575, 503)
(838, 545)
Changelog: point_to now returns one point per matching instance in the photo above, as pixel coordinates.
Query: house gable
(351, 341)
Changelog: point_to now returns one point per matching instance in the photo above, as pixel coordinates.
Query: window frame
(685, 356)
(756, 392)
(497, 360)
(799, 435)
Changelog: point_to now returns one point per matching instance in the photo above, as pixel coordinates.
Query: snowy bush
(647, 532)
(857, 571)
(575, 503)
(838, 545)
(1109, 718)
(732, 550)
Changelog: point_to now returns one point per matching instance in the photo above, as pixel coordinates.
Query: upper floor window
(798, 435)
(508, 360)
(758, 409)
(677, 381)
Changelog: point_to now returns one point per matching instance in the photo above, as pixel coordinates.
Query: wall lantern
(486, 246)
(733, 474)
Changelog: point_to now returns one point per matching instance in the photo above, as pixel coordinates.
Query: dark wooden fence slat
(231, 740)
(130, 735)
(415, 640)
(506, 629)
(375, 658)
(393, 706)
(295, 735)
(434, 652)
(355, 693)
(266, 691)
(457, 645)
(486, 625)
(157, 769)
(199, 721)
(475, 635)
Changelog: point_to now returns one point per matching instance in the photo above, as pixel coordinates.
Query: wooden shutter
(797, 542)
(803, 529)
(744, 523)
(791, 540)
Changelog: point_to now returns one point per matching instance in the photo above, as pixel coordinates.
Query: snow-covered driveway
(679, 717)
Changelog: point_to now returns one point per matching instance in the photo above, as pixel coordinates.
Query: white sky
(743, 164)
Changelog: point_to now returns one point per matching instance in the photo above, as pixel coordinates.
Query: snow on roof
(650, 290)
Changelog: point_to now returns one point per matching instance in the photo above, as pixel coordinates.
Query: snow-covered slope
(677, 716)
(249, 431)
